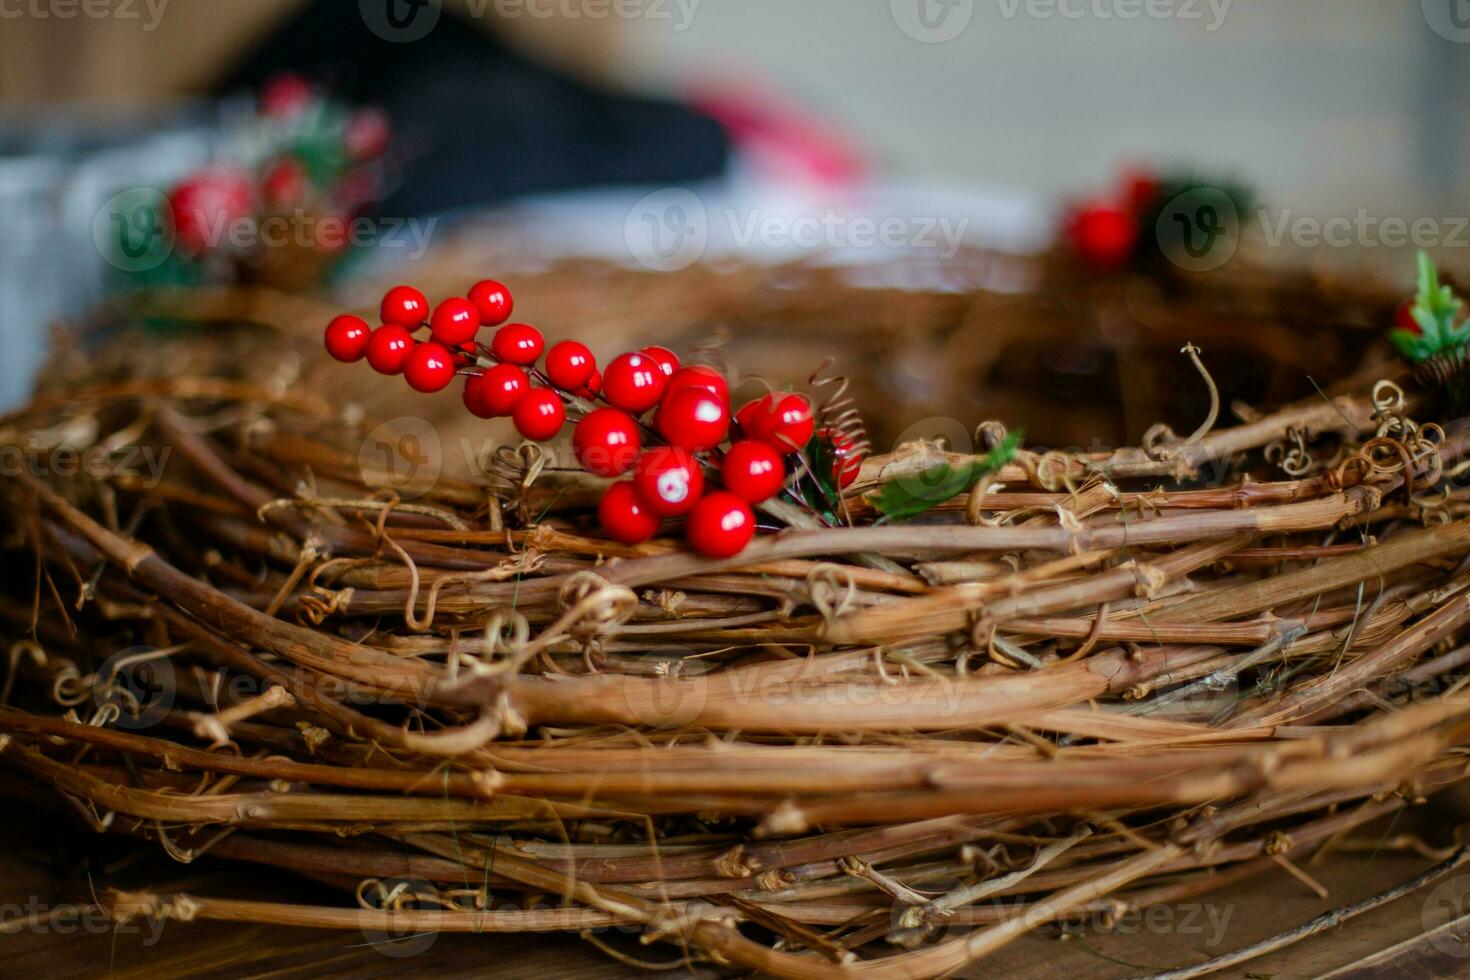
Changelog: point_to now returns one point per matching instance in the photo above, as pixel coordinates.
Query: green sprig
(1436, 309)
(910, 496)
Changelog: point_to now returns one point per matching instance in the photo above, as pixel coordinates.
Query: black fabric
(476, 123)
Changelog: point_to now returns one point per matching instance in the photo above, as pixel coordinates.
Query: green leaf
(1408, 343)
(909, 496)
(1436, 309)
(822, 453)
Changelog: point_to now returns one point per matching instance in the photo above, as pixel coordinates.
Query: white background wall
(1325, 104)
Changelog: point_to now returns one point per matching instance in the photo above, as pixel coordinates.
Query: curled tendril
(1160, 442)
(991, 433)
(831, 588)
(715, 352)
(376, 895)
(518, 467)
(21, 648)
(1387, 396)
(837, 411)
(1290, 453)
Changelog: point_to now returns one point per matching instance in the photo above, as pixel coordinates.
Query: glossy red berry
(668, 480)
(753, 471)
(1103, 236)
(494, 301)
(607, 442)
(569, 365)
(848, 463)
(1140, 189)
(634, 383)
(429, 368)
(496, 392)
(367, 134)
(208, 205)
(698, 376)
(348, 337)
(693, 419)
(388, 348)
(1403, 318)
(285, 184)
(720, 526)
(593, 386)
(455, 322)
(540, 414)
(517, 343)
(751, 411)
(285, 96)
(466, 354)
(474, 397)
(405, 306)
(667, 360)
(623, 515)
(784, 421)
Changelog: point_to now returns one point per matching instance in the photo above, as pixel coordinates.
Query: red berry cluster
(667, 425)
(1105, 232)
(314, 154)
